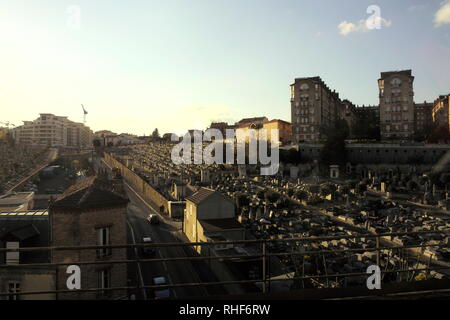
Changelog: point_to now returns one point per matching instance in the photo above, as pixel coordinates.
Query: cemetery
(302, 202)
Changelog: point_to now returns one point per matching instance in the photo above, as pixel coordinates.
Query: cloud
(361, 26)
(417, 7)
(442, 16)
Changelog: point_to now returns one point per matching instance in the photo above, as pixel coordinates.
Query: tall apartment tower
(396, 104)
(313, 107)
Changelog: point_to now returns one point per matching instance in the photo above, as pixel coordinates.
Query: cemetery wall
(383, 153)
(146, 191)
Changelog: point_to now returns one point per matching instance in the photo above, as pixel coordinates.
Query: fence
(263, 256)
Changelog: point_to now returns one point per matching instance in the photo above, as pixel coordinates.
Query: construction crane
(84, 114)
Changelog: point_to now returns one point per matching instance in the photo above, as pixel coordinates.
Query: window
(304, 87)
(12, 257)
(104, 277)
(103, 239)
(13, 290)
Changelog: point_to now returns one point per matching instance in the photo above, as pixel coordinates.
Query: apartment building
(440, 112)
(347, 111)
(313, 107)
(423, 116)
(397, 112)
(54, 131)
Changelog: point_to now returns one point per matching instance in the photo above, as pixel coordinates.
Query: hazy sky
(137, 65)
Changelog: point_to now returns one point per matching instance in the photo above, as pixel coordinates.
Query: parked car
(153, 219)
(162, 293)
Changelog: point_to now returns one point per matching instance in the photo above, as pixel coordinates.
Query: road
(174, 271)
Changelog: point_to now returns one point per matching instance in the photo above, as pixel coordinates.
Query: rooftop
(88, 193)
(214, 225)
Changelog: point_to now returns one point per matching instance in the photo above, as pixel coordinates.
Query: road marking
(141, 279)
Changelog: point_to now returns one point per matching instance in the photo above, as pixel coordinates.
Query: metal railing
(262, 254)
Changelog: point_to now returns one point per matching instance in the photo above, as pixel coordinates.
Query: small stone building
(88, 214)
(210, 214)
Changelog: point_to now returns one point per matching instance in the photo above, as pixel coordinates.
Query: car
(153, 219)
(162, 293)
(147, 250)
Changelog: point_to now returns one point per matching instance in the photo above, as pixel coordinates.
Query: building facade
(423, 118)
(210, 214)
(441, 113)
(396, 96)
(53, 131)
(25, 229)
(313, 107)
(89, 215)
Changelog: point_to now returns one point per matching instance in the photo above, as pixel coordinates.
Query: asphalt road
(176, 272)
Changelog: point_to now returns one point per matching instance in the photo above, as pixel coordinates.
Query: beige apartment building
(313, 106)
(396, 96)
(54, 131)
(440, 111)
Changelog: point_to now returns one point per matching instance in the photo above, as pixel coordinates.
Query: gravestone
(242, 170)
(294, 172)
(205, 176)
(334, 171)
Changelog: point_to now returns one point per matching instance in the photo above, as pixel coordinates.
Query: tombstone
(334, 171)
(251, 215)
(348, 168)
(242, 170)
(258, 213)
(205, 176)
(294, 172)
(363, 173)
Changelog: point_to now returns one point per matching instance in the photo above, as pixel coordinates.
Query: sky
(180, 64)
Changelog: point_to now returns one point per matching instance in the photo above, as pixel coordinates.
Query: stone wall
(383, 153)
(79, 228)
(138, 184)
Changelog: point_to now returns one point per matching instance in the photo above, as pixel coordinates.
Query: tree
(366, 127)
(155, 135)
(334, 151)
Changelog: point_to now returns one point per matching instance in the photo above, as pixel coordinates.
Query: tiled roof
(200, 195)
(245, 120)
(88, 194)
